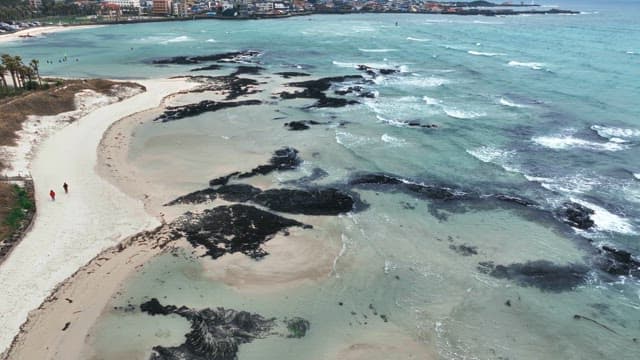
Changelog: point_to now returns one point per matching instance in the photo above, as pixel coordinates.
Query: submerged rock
(290, 74)
(309, 202)
(282, 160)
(376, 71)
(464, 250)
(249, 70)
(387, 182)
(180, 112)
(577, 215)
(542, 274)
(230, 229)
(208, 67)
(297, 327)
(302, 124)
(215, 334)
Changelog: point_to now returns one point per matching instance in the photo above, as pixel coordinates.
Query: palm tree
(3, 69)
(9, 63)
(19, 66)
(34, 66)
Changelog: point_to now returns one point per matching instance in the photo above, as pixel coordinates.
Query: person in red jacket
(53, 195)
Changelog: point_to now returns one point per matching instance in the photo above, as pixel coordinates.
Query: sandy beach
(69, 232)
(40, 31)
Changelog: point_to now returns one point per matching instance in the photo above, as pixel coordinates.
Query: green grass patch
(19, 211)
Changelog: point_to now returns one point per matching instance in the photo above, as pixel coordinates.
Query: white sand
(69, 232)
(39, 31)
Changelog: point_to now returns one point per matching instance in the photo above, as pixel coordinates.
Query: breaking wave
(417, 39)
(615, 134)
(570, 142)
(461, 114)
(377, 50)
(491, 155)
(508, 103)
(480, 53)
(394, 141)
(178, 39)
(607, 221)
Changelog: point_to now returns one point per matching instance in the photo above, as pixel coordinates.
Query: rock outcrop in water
(180, 112)
(230, 57)
(282, 160)
(216, 334)
(230, 229)
(290, 74)
(314, 89)
(617, 262)
(376, 71)
(302, 124)
(542, 274)
(248, 70)
(577, 215)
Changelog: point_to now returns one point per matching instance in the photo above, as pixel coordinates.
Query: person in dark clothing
(53, 195)
(65, 186)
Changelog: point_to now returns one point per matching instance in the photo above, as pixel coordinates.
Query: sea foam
(492, 155)
(569, 142)
(461, 114)
(530, 65)
(607, 221)
(417, 39)
(178, 39)
(508, 103)
(612, 133)
(480, 53)
(377, 50)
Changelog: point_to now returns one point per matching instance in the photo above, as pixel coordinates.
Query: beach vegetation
(15, 204)
(23, 76)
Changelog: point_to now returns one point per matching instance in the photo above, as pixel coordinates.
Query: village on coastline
(23, 13)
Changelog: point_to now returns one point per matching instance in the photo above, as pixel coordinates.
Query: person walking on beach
(53, 195)
(65, 186)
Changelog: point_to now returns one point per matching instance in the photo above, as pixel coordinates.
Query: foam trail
(417, 39)
(488, 154)
(178, 39)
(569, 142)
(530, 65)
(211, 40)
(393, 141)
(461, 114)
(480, 53)
(508, 103)
(377, 50)
(607, 221)
(615, 132)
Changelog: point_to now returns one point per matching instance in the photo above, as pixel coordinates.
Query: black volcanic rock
(249, 70)
(215, 334)
(196, 197)
(309, 202)
(387, 182)
(577, 215)
(314, 89)
(542, 274)
(236, 56)
(208, 67)
(290, 74)
(302, 124)
(180, 112)
(283, 159)
(617, 262)
(223, 180)
(230, 229)
(376, 71)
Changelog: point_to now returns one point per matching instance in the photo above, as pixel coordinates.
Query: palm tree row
(21, 75)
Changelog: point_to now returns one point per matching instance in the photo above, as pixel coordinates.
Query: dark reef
(314, 89)
(208, 67)
(249, 70)
(230, 229)
(542, 274)
(617, 262)
(230, 57)
(290, 74)
(216, 334)
(302, 124)
(577, 215)
(180, 112)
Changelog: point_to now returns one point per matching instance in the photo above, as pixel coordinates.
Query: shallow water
(544, 108)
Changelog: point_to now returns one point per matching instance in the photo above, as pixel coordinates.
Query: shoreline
(95, 215)
(43, 30)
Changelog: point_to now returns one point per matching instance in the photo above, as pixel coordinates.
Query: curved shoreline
(95, 215)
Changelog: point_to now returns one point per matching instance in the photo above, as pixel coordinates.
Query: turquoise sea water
(541, 107)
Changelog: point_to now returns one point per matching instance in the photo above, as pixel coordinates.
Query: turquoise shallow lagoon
(543, 108)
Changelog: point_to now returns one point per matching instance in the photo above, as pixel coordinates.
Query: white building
(125, 3)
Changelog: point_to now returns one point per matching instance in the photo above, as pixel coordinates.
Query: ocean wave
(178, 39)
(350, 140)
(417, 39)
(530, 65)
(488, 22)
(394, 141)
(491, 155)
(607, 221)
(416, 81)
(377, 50)
(431, 101)
(568, 142)
(615, 134)
(577, 184)
(636, 175)
(211, 40)
(632, 53)
(461, 114)
(480, 53)
(392, 122)
(508, 103)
